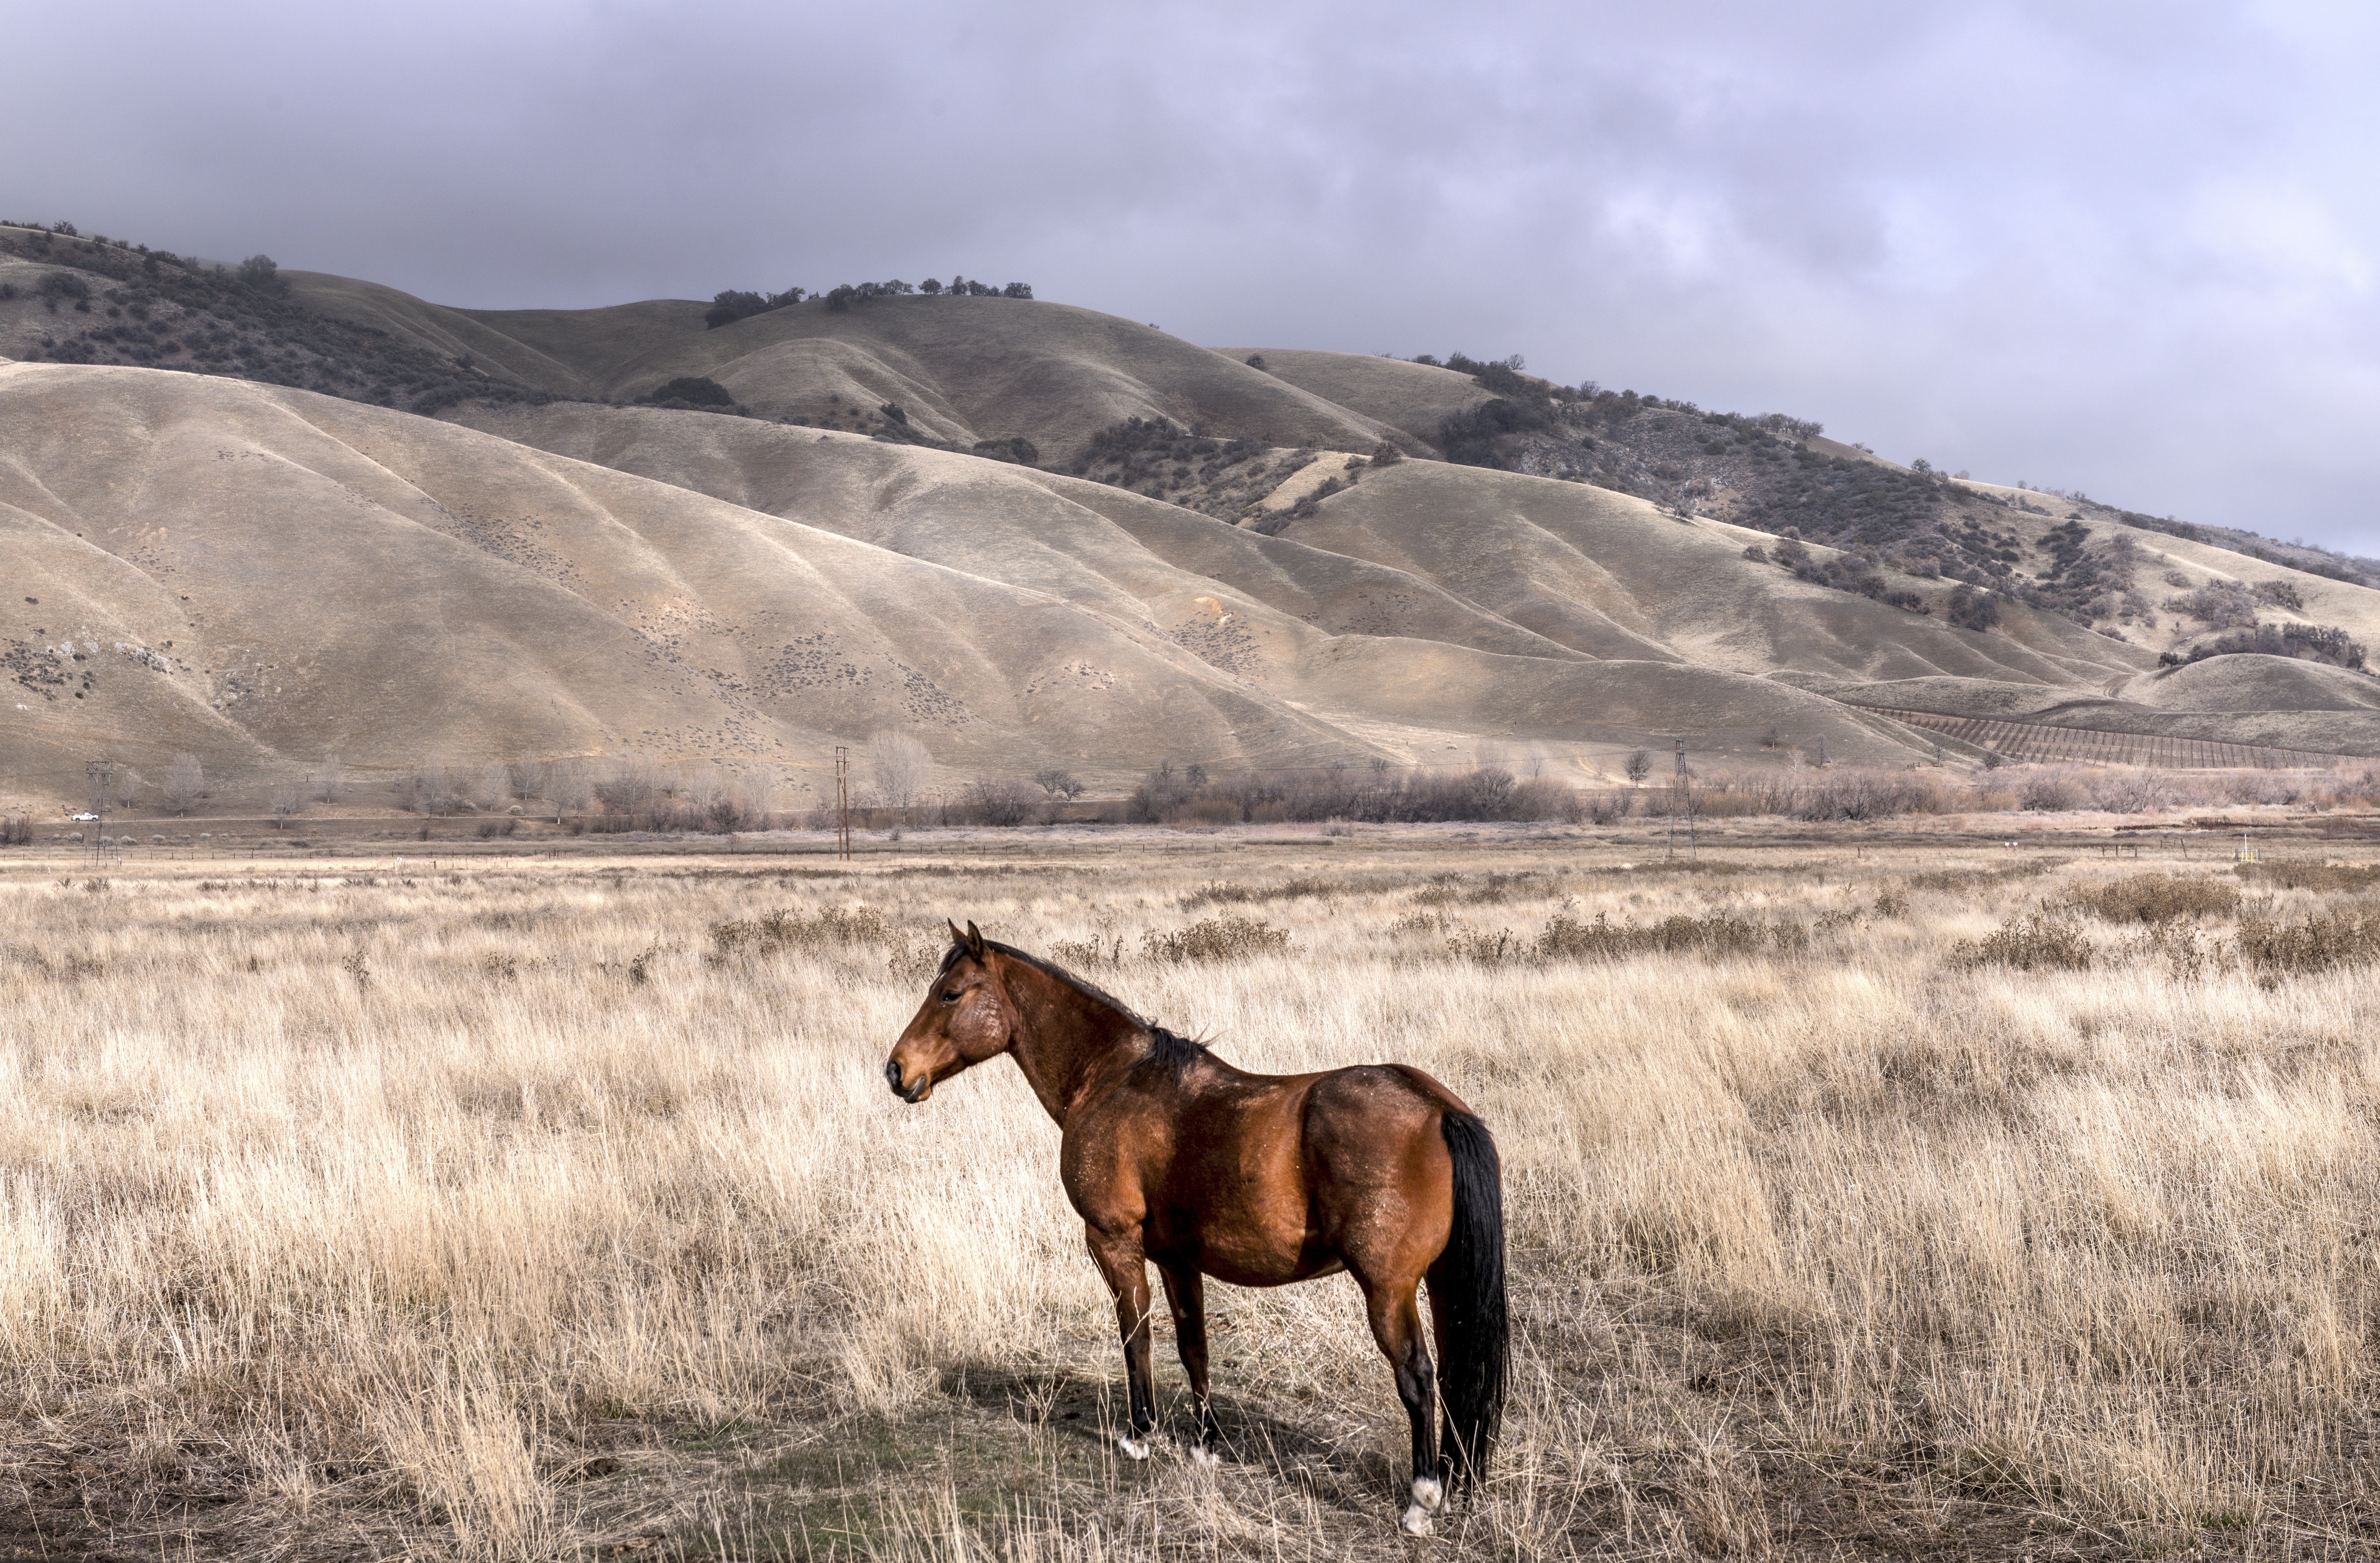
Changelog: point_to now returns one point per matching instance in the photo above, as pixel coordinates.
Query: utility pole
(842, 802)
(101, 774)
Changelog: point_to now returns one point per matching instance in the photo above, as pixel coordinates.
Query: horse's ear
(974, 941)
(956, 937)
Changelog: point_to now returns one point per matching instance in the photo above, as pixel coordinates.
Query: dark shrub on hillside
(2307, 643)
(731, 306)
(260, 273)
(57, 286)
(2219, 604)
(1469, 438)
(689, 391)
(1973, 610)
(1017, 448)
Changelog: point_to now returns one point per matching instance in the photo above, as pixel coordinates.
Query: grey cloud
(2128, 247)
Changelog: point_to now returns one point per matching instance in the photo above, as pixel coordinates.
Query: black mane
(1175, 1052)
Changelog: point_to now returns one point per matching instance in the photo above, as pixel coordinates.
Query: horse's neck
(1064, 1035)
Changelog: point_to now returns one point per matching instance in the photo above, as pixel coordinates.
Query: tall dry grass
(536, 1210)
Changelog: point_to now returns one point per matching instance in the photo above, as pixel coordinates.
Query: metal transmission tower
(101, 774)
(842, 802)
(1681, 800)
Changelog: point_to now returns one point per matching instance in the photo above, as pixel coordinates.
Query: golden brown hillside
(263, 575)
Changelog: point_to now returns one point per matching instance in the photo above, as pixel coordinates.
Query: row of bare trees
(632, 786)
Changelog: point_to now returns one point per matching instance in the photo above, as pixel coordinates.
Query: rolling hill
(1162, 552)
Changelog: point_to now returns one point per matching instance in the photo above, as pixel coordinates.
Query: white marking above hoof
(1428, 1494)
(1416, 1522)
(1133, 1449)
(1202, 1455)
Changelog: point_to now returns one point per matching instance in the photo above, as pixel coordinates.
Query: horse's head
(966, 1019)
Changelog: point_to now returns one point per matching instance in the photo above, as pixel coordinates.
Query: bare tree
(1058, 783)
(330, 778)
(186, 783)
(629, 783)
(492, 787)
(1640, 764)
(284, 798)
(760, 791)
(701, 787)
(899, 768)
(530, 776)
(126, 786)
(568, 788)
(428, 787)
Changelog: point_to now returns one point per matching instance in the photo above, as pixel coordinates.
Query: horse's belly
(1248, 1256)
(1224, 1269)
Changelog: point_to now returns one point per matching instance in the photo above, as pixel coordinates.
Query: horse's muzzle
(913, 1094)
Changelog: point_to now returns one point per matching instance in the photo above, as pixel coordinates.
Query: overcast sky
(2124, 247)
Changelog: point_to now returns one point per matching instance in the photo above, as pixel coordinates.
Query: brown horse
(1169, 1153)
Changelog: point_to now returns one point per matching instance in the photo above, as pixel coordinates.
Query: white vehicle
(82, 819)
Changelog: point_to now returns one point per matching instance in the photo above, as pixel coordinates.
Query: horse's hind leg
(1186, 1293)
(1395, 1314)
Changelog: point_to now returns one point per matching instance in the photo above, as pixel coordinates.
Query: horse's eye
(950, 997)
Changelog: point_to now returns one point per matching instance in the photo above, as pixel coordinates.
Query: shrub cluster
(829, 928)
(2321, 941)
(2156, 897)
(734, 304)
(2034, 943)
(1844, 572)
(1143, 448)
(2308, 643)
(1976, 610)
(693, 393)
(1228, 937)
(2286, 875)
(2221, 604)
(153, 307)
(1376, 796)
(1719, 933)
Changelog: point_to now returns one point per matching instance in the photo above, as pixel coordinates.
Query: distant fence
(2038, 742)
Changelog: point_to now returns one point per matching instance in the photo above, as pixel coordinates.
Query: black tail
(1466, 1300)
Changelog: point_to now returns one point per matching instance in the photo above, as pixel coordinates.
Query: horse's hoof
(1416, 1522)
(1202, 1455)
(1428, 1493)
(1133, 1449)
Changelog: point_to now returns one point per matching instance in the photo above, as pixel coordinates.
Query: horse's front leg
(1186, 1293)
(1124, 1265)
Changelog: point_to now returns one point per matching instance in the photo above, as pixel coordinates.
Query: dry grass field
(1863, 1204)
